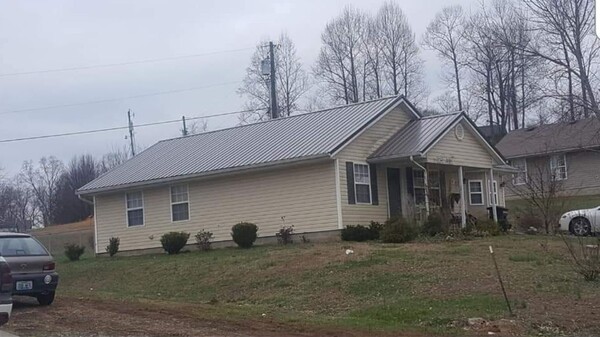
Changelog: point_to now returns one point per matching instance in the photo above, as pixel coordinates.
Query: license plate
(24, 285)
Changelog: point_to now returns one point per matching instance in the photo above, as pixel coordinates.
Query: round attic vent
(459, 132)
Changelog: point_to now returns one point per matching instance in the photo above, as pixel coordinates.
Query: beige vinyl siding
(466, 152)
(358, 151)
(305, 194)
(583, 173)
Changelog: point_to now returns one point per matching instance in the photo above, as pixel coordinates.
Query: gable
(470, 151)
(363, 145)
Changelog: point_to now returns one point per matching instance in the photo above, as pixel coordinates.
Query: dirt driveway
(72, 317)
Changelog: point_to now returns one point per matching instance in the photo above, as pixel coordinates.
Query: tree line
(43, 193)
(508, 63)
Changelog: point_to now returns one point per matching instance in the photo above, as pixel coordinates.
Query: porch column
(491, 187)
(463, 212)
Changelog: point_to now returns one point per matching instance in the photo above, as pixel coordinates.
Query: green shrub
(173, 242)
(398, 230)
(244, 234)
(356, 233)
(113, 246)
(375, 228)
(284, 236)
(203, 239)
(434, 225)
(73, 251)
(485, 227)
(361, 233)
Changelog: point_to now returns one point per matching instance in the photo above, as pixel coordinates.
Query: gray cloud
(37, 35)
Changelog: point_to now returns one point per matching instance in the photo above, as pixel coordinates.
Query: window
(180, 206)
(21, 246)
(135, 209)
(362, 183)
(520, 177)
(493, 191)
(433, 179)
(558, 167)
(476, 192)
(435, 195)
(419, 186)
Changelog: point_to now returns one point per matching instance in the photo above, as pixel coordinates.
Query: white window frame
(187, 201)
(482, 192)
(127, 209)
(493, 193)
(367, 184)
(418, 187)
(516, 181)
(553, 168)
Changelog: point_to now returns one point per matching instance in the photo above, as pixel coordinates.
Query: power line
(12, 140)
(168, 92)
(119, 64)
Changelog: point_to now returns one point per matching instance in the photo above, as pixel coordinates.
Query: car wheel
(46, 299)
(581, 226)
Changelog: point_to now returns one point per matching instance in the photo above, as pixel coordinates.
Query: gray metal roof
(415, 137)
(551, 138)
(297, 137)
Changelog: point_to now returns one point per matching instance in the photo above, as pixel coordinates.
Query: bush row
(399, 230)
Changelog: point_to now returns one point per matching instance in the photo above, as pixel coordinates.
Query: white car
(581, 222)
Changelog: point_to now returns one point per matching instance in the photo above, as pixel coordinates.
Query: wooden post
(500, 280)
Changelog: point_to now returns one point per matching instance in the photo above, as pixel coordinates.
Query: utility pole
(274, 112)
(184, 130)
(131, 140)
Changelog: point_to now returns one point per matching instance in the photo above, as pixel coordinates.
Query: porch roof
(416, 137)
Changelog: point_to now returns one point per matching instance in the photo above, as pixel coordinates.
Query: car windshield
(21, 246)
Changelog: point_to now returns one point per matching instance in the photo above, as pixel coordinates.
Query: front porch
(416, 189)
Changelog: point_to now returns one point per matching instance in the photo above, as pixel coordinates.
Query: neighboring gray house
(570, 151)
(322, 171)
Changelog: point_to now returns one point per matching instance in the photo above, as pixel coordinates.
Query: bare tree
(402, 62)
(341, 60)
(291, 82)
(446, 35)
(194, 127)
(17, 211)
(43, 181)
(112, 159)
(81, 170)
(542, 190)
(569, 24)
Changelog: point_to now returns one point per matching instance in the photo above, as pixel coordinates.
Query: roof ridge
(283, 118)
(442, 115)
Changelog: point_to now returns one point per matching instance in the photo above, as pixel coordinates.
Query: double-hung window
(476, 192)
(419, 186)
(520, 177)
(362, 183)
(558, 167)
(433, 179)
(180, 206)
(135, 209)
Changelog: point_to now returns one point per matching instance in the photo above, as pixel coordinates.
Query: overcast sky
(41, 35)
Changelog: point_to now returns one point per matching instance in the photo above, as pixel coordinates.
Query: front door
(393, 181)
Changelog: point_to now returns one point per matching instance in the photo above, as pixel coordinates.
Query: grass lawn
(419, 287)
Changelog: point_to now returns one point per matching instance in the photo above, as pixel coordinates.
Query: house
(493, 133)
(319, 171)
(566, 152)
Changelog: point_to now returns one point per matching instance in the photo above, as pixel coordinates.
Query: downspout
(425, 177)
